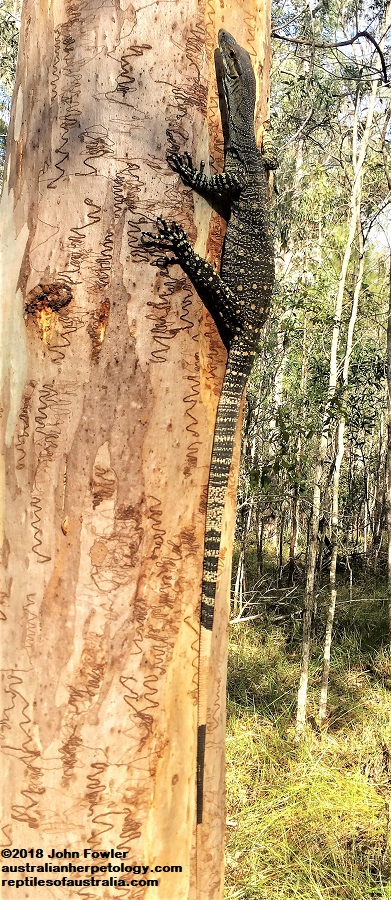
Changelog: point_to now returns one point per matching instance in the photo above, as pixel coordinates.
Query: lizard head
(238, 83)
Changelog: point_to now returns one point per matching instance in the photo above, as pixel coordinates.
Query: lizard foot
(183, 164)
(159, 242)
(168, 235)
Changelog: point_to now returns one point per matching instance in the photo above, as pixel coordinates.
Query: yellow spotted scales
(238, 300)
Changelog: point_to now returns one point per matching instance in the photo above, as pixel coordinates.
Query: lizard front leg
(218, 186)
(218, 298)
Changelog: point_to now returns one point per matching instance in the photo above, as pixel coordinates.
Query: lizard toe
(147, 237)
(172, 159)
(163, 227)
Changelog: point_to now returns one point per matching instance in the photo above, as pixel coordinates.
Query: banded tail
(224, 438)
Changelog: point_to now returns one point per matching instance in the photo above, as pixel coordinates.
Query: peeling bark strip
(111, 374)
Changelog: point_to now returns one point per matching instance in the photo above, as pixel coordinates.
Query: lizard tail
(224, 437)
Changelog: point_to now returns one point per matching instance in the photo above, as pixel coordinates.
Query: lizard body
(238, 300)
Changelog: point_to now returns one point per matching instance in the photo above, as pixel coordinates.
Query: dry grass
(309, 822)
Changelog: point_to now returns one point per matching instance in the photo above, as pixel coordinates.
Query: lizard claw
(174, 161)
(173, 233)
(168, 235)
(165, 261)
(163, 228)
(180, 160)
(183, 164)
(148, 239)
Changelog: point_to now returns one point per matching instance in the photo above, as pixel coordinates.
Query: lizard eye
(232, 63)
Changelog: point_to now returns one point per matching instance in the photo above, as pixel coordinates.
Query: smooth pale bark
(111, 373)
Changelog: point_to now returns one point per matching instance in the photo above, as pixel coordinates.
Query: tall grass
(309, 822)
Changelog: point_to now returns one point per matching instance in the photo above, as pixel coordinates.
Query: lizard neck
(241, 138)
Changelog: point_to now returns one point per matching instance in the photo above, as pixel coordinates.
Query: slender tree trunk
(259, 525)
(340, 449)
(294, 531)
(295, 497)
(246, 514)
(111, 376)
(389, 454)
(379, 505)
(333, 572)
(240, 581)
(358, 157)
(239, 585)
(280, 547)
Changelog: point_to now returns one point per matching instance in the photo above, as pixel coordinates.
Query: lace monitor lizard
(238, 300)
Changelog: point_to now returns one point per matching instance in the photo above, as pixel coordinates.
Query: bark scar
(44, 301)
(48, 297)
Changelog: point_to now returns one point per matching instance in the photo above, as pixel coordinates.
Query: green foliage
(9, 38)
(365, 397)
(316, 94)
(3, 137)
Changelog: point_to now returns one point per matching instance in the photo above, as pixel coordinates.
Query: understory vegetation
(309, 702)
(310, 820)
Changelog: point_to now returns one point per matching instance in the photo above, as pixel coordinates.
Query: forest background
(309, 741)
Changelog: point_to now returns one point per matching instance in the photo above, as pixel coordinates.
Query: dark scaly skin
(238, 299)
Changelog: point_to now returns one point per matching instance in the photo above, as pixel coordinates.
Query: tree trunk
(295, 495)
(294, 518)
(388, 366)
(259, 534)
(239, 586)
(280, 547)
(358, 157)
(379, 503)
(111, 376)
(340, 450)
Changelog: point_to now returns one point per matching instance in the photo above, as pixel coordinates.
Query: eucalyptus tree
(111, 373)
